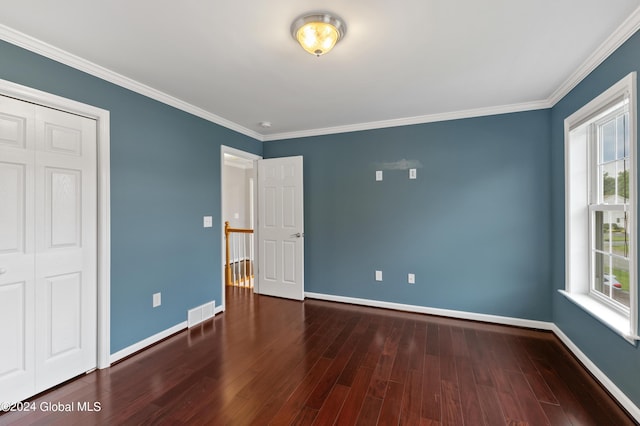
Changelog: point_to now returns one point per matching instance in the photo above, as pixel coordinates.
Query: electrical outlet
(411, 278)
(412, 173)
(378, 175)
(157, 299)
(378, 275)
(207, 221)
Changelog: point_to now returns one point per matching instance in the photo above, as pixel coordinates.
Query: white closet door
(48, 276)
(17, 247)
(65, 273)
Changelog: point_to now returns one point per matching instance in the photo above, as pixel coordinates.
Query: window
(601, 233)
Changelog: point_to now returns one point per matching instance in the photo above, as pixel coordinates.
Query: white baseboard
(146, 342)
(519, 322)
(123, 353)
(598, 374)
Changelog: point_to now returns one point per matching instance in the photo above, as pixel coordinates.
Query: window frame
(580, 206)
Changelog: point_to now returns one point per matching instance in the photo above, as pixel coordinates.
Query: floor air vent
(196, 315)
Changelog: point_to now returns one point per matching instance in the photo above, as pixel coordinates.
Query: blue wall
(474, 226)
(165, 176)
(619, 360)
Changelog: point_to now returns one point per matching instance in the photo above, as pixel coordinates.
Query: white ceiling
(404, 61)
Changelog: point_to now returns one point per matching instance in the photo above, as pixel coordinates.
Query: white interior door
(47, 247)
(281, 227)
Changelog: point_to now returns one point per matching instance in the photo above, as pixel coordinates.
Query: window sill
(609, 317)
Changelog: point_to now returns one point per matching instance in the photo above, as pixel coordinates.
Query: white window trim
(577, 255)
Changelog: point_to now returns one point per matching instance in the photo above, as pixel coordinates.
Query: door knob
(3, 271)
(297, 235)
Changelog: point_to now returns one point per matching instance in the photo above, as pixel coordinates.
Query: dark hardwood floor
(272, 361)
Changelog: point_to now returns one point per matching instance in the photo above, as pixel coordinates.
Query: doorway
(276, 212)
(238, 208)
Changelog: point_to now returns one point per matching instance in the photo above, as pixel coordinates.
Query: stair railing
(239, 270)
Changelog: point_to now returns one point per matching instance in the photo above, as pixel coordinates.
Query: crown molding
(44, 49)
(614, 41)
(408, 121)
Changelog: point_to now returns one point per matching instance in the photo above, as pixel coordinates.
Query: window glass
(608, 138)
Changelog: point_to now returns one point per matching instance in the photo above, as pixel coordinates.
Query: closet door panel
(17, 246)
(66, 271)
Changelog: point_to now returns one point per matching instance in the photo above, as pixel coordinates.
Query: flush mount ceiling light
(317, 33)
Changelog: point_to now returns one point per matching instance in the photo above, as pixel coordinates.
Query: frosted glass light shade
(318, 33)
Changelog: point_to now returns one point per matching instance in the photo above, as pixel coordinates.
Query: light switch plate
(378, 275)
(378, 175)
(207, 221)
(412, 173)
(411, 278)
(157, 299)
